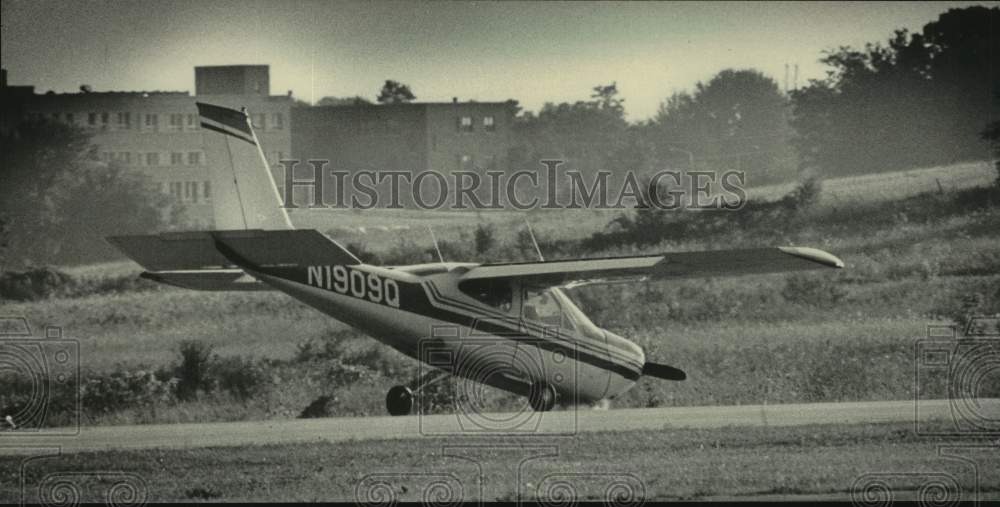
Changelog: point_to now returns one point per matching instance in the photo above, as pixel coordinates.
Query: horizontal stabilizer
(186, 251)
(172, 251)
(208, 279)
(297, 247)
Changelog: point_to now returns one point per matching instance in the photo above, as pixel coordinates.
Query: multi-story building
(159, 134)
(414, 137)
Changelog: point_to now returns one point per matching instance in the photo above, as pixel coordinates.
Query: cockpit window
(541, 305)
(492, 292)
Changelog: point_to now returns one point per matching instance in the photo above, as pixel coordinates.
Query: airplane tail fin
(246, 196)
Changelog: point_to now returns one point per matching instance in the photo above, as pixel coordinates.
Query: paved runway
(560, 422)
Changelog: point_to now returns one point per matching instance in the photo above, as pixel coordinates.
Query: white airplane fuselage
(421, 311)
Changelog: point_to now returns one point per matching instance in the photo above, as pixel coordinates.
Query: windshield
(552, 307)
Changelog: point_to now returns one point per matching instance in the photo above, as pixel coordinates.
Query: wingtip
(814, 254)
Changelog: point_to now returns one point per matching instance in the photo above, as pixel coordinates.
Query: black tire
(399, 401)
(542, 397)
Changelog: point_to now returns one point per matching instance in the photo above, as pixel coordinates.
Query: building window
(152, 159)
(175, 189)
(206, 190)
(176, 158)
(152, 120)
(259, 121)
(489, 124)
(465, 124)
(124, 120)
(104, 119)
(278, 120)
(176, 121)
(125, 157)
(91, 118)
(194, 158)
(192, 122)
(190, 191)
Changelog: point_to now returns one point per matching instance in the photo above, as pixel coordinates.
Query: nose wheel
(399, 400)
(542, 397)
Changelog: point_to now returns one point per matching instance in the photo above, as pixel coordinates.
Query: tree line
(917, 99)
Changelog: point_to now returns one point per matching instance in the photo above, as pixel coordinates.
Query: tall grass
(821, 336)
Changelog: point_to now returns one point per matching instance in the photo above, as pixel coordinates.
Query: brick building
(415, 137)
(158, 133)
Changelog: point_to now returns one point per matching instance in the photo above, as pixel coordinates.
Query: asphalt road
(559, 422)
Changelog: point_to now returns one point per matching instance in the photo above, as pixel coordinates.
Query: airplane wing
(568, 273)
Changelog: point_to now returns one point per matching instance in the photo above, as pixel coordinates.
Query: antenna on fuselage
(434, 239)
(533, 240)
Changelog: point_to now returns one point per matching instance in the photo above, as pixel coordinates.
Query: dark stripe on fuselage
(413, 298)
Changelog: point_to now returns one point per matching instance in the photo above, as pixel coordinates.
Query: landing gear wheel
(542, 397)
(399, 400)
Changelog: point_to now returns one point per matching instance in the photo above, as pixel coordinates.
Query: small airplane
(507, 325)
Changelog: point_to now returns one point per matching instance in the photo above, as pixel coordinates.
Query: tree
(394, 92)
(736, 121)
(917, 99)
(606, 98)
(58, 203)
(586, 135)
(356, 100)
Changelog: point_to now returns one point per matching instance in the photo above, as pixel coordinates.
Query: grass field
(384, 228)
(830, 336)
(831, 462)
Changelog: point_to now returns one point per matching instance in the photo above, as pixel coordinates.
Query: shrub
(806, 194)
(324, 406)
(485, 238)
(242, 378)
(361, 251)
(33, 284)
(125, 389)
(192, 373)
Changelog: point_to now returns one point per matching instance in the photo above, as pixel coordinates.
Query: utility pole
(795, 80)
(786, 78)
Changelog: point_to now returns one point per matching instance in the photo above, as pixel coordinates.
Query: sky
(484, 51)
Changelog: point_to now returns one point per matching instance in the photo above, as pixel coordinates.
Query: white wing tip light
(814, 255)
